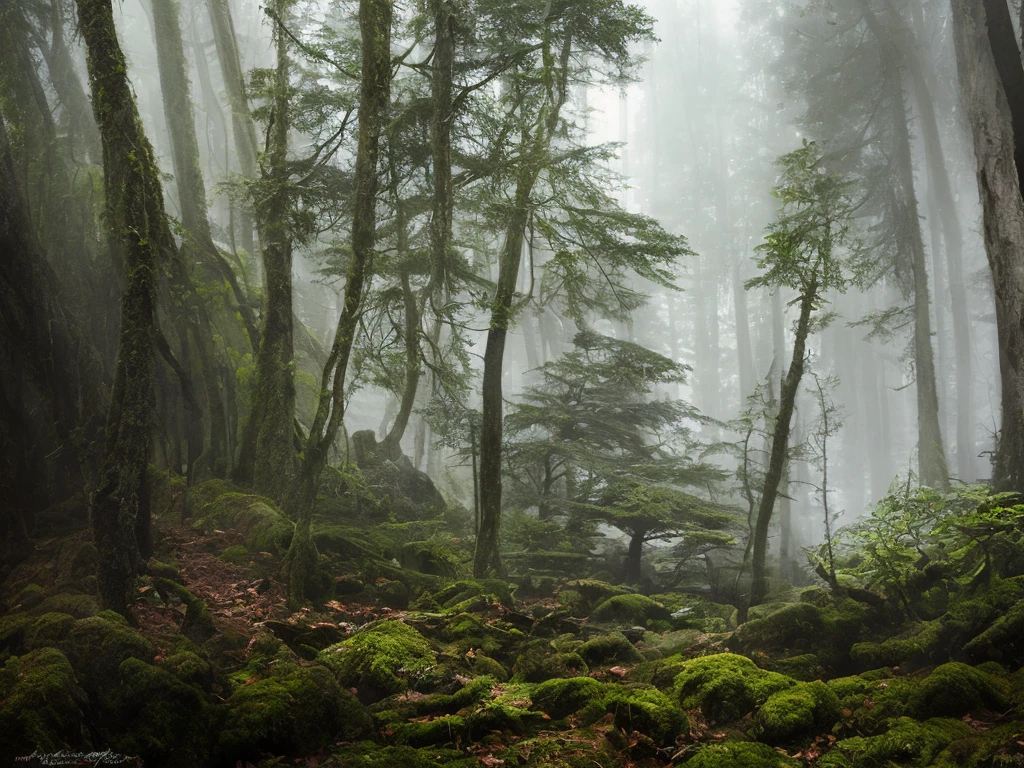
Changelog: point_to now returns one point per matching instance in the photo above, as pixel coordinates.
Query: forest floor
(402, 663)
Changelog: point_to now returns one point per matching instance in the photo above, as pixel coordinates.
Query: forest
(553, 383)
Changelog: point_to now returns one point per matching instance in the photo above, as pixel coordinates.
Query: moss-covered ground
(404, 661)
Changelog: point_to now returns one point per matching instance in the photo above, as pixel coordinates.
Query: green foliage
(906, 741)
(739, 754)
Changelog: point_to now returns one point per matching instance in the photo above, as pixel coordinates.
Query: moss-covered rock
(905, 742)
(190, 668)
(79, 606)
(1003, 641)
(955, 689)
(725, 686)
(369, 754)
(805, 667)
(380, 660)
(485, 665)
(29, 597)
(647, 711)
(454, 597)
(447, 729)
(802, 710)
(540, 660)
(48, 630)
(264, 527)
(630, 610)
(96, 648)
(427, 557)
(613, 648)
(236, 554)
(796, 625)
(581, 596)
(197, 625)
(913, 647)
(160, 718)
(296, 712)
(562, 697)
(75, 564)
(41, 705)
(739, 754)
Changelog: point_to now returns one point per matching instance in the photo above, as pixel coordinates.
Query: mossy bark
(374, 95)
(274, 460)
(138, 224)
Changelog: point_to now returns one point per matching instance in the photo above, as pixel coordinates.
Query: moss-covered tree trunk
(274, 460)
(780, 445)
(995, 130)
(374, 95)
(135, 214)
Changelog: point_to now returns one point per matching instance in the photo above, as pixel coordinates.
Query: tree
(375, 81)
(995, 130)
(807, 250)
(589, 441)
(138, 224)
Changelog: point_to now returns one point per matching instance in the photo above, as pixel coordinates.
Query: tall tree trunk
(136, 216)
(374, 95)
(780, 447)
(988, 109)
(487, 559)
(246, 145)
(273, 398)
(634, 556)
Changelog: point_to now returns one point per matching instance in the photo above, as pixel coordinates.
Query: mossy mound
(802, 710)
(429, 558)
(796, 625)
(955, 689)
(913, 647)
(41, 705)
(369, 754)
(379, 660)
(75, 564)
(263, 526)
(726, 687)
(96, 648)
(581, 596)
(630, 610)
(1003, 641)
(295, 712)
(739, 754)
(645, 710)
(806, 667)
(190, 668)
(906, 742)
(540, 660)
(458, 595)
(48, 630)
(160, 718)
(79, 606)
(237, 554)
(562, 697)
(613, 648)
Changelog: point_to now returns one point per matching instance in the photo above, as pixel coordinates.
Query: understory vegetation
(911, 657)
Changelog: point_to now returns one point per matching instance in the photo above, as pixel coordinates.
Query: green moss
(806, 667)
(914, 647)
(79, 606)
(167, 494)
(379, 660)
(96, 647)
(264, 527)
(189, 668)
(906, 742)
(792, 626)
(955, 689)
(631, 610)
(802, 710)
(74, 564)
(427, 557)
(12, 631)
(48, 630)
(369, 754)
(609, 649)
(237, 554)
(297, 713)
(539, 660)
(1003, 641)
(459, 592)
(198, 624)
(485, 665)
(739, 754)
(29, 597)
(160, 718)
(726, 686)
(562, 697)
(447, 729)
(647, 711)
(41, 704)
